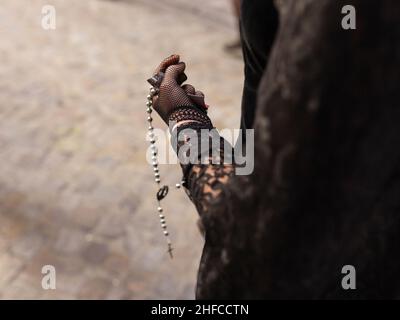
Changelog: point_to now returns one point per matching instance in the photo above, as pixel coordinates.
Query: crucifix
(170, 250)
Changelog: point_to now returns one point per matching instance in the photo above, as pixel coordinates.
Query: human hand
(171, 94)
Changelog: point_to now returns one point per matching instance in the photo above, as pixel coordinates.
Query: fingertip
(200, 93)
(175, 56)
(188, 88)
(171, 60)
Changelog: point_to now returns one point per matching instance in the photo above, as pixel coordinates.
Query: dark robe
(325, 192)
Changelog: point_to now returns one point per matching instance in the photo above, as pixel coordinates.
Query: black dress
(325, 191)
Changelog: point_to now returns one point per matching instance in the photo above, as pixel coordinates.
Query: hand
(171, 95)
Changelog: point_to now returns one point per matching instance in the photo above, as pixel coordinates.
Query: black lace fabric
(211, 186)
(203, 181)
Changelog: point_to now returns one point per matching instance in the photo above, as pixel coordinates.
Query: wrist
(184, 115)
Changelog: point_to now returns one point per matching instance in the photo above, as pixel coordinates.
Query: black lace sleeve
(206, 170)
(212, 185)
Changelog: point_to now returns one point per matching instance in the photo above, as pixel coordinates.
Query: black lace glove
(171, 94)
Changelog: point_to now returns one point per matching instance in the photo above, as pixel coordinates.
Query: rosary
(162, 192)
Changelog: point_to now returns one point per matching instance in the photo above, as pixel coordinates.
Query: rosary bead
(157, 179)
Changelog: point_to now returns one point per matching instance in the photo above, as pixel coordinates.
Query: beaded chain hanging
(162, 190)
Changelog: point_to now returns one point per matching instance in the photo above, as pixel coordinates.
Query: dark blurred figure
(325, 191)
(236, 44)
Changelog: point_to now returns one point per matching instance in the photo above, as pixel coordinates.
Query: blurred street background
(76, 191)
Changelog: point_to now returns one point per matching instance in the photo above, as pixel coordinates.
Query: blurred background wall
(75, 189)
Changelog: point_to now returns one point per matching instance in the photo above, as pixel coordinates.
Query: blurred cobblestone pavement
(75, 189)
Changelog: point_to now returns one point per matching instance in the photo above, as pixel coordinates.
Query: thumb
(172, 73)
(171, 60)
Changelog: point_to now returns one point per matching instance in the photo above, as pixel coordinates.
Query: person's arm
(207, 172)
(210, 184)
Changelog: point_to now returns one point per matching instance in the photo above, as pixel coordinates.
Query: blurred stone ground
(75, 189)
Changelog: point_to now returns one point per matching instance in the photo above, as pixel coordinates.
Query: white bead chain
(163, 191)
